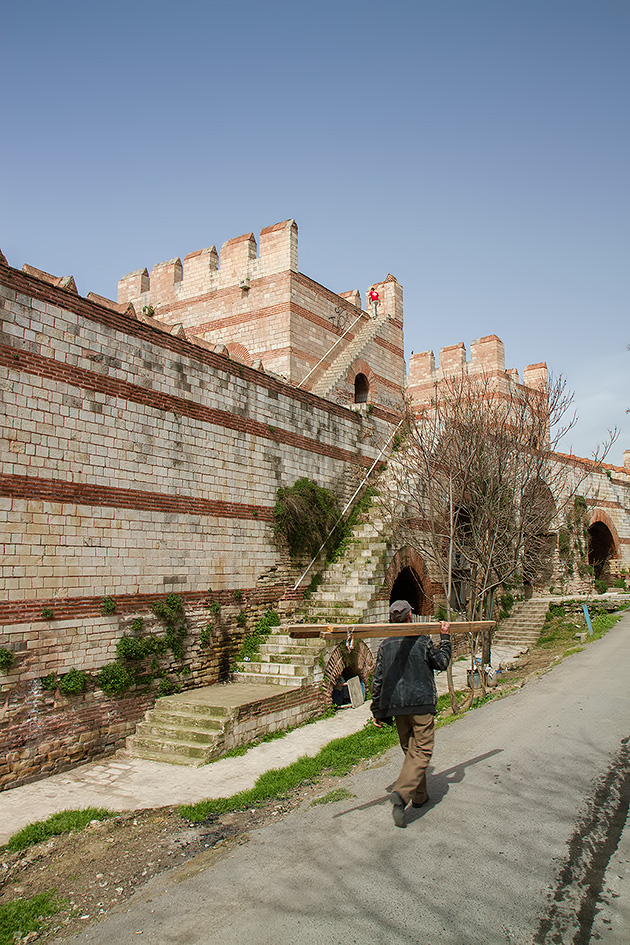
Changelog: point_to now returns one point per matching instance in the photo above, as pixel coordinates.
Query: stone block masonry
(135, 463)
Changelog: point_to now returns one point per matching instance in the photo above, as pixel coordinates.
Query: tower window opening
(361, 389)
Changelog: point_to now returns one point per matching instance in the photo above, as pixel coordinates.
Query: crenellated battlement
(487, 356)
(238, 264)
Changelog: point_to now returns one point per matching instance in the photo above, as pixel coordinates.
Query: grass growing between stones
(22, 916)
(66, 821)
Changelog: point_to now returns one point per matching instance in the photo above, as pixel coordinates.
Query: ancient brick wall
(135, 463)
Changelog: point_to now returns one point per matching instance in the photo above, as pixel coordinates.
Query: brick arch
(597, 515)
(360, 658)
(238, 352)
(407, 557)
(359, 366)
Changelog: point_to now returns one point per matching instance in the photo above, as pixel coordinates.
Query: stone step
(284, 640)
(298, 653)
(163, 744)
(178, 734)
(196, 720)
(291, 682)
(273, 669)
(167, 757)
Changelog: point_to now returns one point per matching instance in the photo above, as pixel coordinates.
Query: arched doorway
(361, 389)
(408, 586)
(601, 547)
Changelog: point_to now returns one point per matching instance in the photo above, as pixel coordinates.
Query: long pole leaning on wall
(348, 504)
(340, 338)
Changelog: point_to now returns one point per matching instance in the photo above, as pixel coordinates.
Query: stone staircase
(350, 584)
(181, 730)
(323, 385)
(523, 626)
(282, 661)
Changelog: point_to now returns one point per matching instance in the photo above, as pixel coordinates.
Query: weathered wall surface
(136, 464)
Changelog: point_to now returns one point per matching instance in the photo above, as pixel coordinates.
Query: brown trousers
(416, 734)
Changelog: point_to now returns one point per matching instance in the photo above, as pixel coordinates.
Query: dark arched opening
(408, 586)
(601, 546)
(361, 389)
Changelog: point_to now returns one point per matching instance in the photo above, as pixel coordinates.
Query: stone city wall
(135, 464)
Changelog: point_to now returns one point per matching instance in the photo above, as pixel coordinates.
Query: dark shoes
(422, 803)
(398, 809)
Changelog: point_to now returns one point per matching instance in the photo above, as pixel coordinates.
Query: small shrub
(620, 582)
(215, 608)
(48, 613)
(136, 625)
(108, 606)
(49, 683)
(206, 635)
(114, 679)
(262, 628)
(166, 686)
(600, 586)
(304, 515)
(72, 683)
(241, 618)
(238, 596)
(7, 659)
(171, 613)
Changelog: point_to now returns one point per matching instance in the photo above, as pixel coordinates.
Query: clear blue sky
(477, 149)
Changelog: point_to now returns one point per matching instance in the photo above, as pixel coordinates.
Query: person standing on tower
(374, 300)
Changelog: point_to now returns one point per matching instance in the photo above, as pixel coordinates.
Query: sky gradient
(476, 149)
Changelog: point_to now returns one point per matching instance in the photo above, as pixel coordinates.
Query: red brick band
(79, 493)
(70, 608)
(17, 359)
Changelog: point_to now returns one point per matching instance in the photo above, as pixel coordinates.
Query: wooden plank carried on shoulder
(362, 631)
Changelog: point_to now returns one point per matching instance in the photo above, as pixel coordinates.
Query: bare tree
(474, 487)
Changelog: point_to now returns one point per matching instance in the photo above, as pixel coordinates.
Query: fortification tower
(250, 302)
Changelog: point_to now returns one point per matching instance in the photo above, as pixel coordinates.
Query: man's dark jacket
(403, 677)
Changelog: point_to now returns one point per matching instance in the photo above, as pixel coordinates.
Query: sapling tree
(474, 487)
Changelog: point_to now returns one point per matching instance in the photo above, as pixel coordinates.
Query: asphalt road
(519, 844)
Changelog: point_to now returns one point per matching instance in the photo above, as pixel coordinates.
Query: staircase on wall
(283, 661)
(348, 590)
(323, 385)
(523, 626)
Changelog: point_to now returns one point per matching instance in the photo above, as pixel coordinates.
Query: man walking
(404, 687)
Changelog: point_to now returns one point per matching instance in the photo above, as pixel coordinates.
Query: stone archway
(408, 579)
(359, 661)
(603, 543)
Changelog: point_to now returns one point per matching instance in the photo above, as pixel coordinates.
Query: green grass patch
(241, 750)
(572, 650)
(22, 916)
(340, 794)
(336, 758)
(65, 821)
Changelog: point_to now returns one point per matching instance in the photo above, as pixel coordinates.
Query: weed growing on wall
(171, 613)
(304, 515)
(48, 613)
(7, 659)
(73, 682)
(254, 640)
(114, 679)
(108, 606)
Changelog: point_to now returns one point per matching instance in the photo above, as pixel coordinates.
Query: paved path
(123, 783)
(529, 795)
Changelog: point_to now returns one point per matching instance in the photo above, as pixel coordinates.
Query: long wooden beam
(362, 631)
